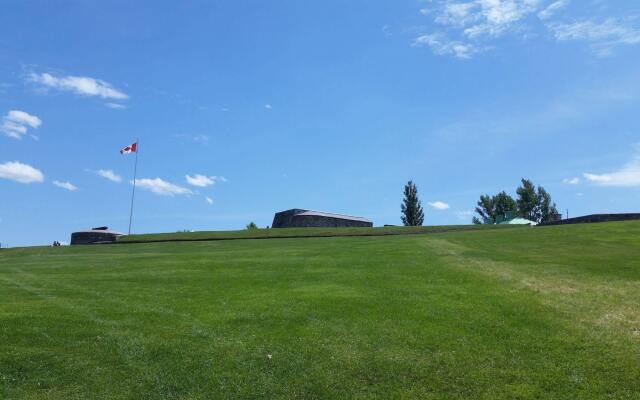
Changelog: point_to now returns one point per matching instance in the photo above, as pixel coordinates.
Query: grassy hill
(548, 312)
(303, 232)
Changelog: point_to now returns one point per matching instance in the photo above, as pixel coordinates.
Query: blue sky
(245, 108)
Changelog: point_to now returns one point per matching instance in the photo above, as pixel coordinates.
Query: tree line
(532, 203)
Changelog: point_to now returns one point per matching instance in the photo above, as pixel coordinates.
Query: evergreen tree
(412, 214)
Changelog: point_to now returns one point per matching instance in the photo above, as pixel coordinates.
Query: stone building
(299, 218)
(95, 236)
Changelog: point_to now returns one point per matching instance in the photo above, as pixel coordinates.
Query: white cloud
(571, 181)
(439, 205)
(199, 180)
(80, 85)
(552, 9)
(161, 187)
(209, 200)
(13, 130)
(204, 181)
(268, 106)
(16, 123)
(19, 172)
(109, 174)
(457, 14)
(603, 36)
(499, 14)
(627, 176)
(115, 106)
(441, 45)
(472, 24)
(220, 179)
(65, 185)
(484, 17)
(24, 118)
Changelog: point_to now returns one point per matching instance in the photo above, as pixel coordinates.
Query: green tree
(489, 208)
(485, 210)
(412, 213)
(504, 204)
(547, 210)
(252, 225)
(535, 204)
(527, 200)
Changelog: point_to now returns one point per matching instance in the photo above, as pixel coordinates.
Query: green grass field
(529, 313)
(305, 232)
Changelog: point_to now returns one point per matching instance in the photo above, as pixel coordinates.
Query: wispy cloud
(110, 175)
(115, 106)
(268, 106)
(203, 180)
(552, 9)
(162, 187)
(81, 85)
(602, 36)
(220, 179)
(456, 14)
(19, 172)
(571, 181)
(17, 123)
(209, 200)
(462, 28)
(465, 28)
(439, 205)
(627, 176)
(440, 44)
(65, 185)
(200, 138)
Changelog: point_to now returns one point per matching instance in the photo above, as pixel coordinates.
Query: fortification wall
(292, 219)
(95, 237)
(284, 219)
(315, 221)
(594, 218)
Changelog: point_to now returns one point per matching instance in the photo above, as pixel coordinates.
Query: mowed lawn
(531, 313)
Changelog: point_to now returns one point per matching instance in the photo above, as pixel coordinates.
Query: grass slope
(304, 232)
(498, 314)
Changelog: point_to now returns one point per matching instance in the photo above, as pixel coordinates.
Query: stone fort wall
(291, 219)
(587, 219)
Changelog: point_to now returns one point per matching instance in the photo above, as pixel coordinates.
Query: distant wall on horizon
(594, 218)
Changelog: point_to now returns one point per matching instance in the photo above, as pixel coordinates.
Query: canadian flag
(132, 148)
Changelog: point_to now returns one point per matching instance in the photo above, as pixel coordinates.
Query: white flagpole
(133, 192)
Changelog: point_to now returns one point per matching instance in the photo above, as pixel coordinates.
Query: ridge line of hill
(266, 235)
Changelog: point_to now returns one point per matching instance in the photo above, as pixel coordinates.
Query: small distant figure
(56, 243)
